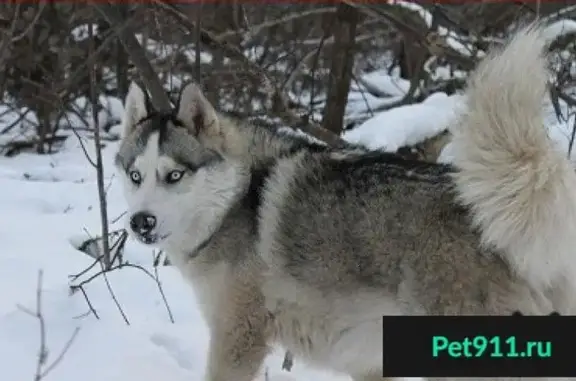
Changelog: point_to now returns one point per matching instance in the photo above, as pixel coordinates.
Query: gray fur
(300, 245)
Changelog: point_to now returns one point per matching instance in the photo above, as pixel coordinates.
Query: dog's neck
(246, 200)
(250, 202)
(257, 146)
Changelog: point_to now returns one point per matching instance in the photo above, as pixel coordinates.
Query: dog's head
(175, 178)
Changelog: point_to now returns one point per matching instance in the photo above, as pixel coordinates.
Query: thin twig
(20, 118)
(198, 45)
(90, 306)
(572, 137)
(161, 289)
(63, 352)
(119, 217)
(257, 29)
(99, 162)
(42, 370)
(116, 246)
(120, 266)
(32, 24)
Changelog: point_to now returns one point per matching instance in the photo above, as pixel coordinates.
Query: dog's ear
(135, 108)
(196, 112)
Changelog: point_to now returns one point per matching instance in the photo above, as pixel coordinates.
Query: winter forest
(80, 299)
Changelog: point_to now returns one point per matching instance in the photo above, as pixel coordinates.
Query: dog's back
(341, 226)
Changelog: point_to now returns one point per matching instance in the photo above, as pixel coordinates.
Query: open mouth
(148, 239)
(151, 239)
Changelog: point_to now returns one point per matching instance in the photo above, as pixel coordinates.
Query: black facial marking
(186, 164)
(208, 159)
(253, 198)
(158, 122)
(153, 122)
(250, 202)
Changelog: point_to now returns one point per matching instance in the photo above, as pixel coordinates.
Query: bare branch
(341, 67)
(120, 266)
(258, 29)
(278, 99)
(99, 162)
(41, 7)
(42, 370)
(197, 47)
(158, 96)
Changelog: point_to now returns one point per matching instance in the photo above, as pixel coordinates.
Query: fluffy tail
(521, 189)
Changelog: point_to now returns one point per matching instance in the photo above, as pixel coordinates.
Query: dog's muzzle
(143, 225)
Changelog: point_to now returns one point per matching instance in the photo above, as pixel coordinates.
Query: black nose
(142, 222)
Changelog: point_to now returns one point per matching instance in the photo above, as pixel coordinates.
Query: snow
(408, 124)
(452, 39)
(559, 28)
(385, 83)
(82, 32)
(49, 204)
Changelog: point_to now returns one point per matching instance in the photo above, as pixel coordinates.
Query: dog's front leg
(238, 340)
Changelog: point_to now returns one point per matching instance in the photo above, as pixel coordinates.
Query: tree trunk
(341, 65)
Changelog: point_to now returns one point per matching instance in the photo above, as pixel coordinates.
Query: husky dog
(293, 243)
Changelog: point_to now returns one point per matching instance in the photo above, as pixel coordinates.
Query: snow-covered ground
(48, 202)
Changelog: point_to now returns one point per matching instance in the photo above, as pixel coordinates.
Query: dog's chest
(207, 283)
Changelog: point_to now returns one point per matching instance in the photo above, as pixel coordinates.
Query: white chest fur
(207, 281)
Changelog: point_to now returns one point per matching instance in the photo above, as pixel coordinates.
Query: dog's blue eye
(174, 177)
(135, 177)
